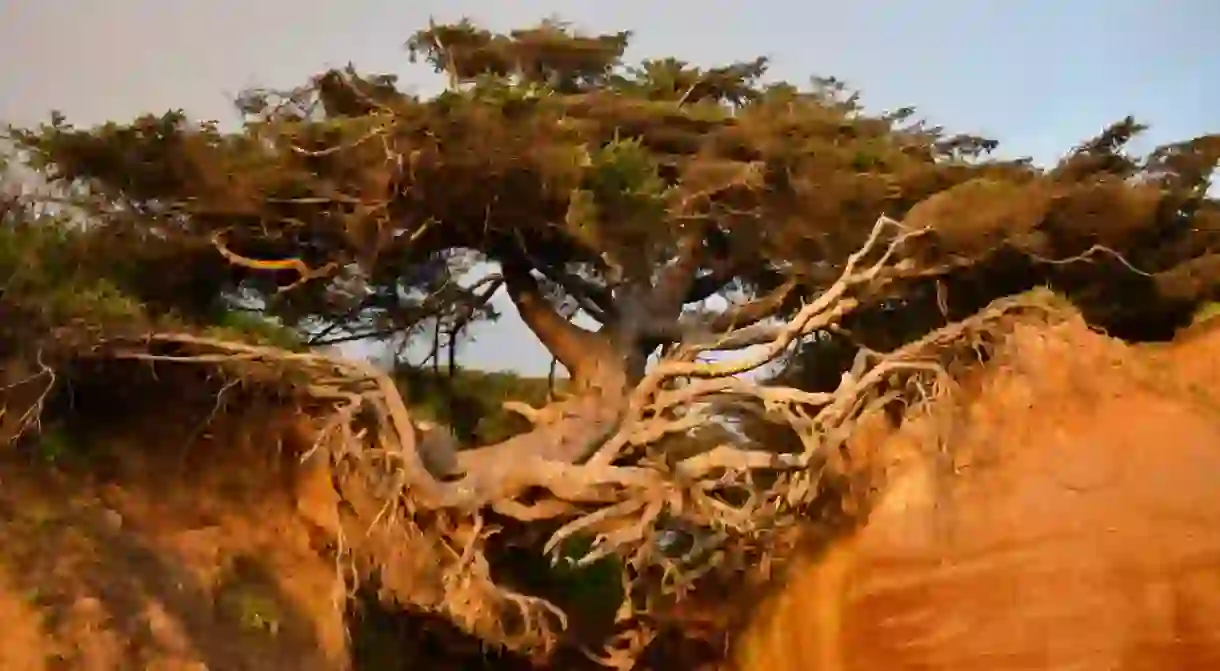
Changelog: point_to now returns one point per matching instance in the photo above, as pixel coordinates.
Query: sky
(1038, 75)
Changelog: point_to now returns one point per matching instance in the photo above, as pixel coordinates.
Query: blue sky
(1039, 75)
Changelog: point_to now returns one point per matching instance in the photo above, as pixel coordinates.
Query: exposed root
(625, 495)
(26, 415)
(535, 416)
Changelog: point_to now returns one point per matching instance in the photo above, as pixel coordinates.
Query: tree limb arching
(303, 271)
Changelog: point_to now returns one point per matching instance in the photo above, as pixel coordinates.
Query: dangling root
(625, 496)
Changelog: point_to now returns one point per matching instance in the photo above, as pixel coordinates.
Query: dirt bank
(158, 533)
(173, 553)
(1070, 519)
(164, 520)
(1065, 514)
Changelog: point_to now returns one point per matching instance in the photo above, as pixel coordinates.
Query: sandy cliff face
(179, 560)
(1063, 512)
(1072, 523)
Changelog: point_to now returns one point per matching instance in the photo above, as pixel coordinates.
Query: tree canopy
(633, 192)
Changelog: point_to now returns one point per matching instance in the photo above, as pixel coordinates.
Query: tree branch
(674, 284)
(303, 271)
(739, 320)
(578, 349)
(595, 300)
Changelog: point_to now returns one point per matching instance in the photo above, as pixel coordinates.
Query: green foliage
(470, 401)
(54, 273)
(254, 327)
(56, 446)
(1206, 312)
(248, 598)
(551, 153)
(570, 167)
(45, 277)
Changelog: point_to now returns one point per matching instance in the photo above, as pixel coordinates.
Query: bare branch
(303, 271)
(576, 348)
(673, 286)
(31, 413)
(596, 301)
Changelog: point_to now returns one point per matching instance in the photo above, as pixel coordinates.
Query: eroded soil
(1072, 520)
(1068, 517)
(182, 556)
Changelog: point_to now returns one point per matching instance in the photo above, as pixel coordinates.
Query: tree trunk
(599, 386)
(603, 365)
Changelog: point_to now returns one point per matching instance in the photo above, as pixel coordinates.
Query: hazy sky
(1039, 75)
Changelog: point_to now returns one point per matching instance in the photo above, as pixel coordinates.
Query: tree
(862, 241)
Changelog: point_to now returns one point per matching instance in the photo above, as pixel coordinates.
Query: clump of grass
(255, 328)
(246, 597)
(55, 446)
(472, 401)
(1205, 312)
